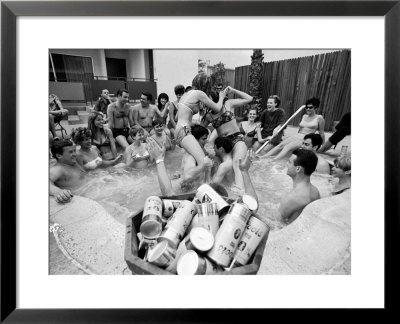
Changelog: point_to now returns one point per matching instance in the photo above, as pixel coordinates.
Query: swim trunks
(235, 138)
(180, 133)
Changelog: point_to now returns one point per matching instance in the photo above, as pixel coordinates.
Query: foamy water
(123, 191)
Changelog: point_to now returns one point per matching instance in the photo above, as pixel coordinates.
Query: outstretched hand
(155, 150)
(244, 165)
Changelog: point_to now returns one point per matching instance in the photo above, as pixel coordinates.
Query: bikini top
(104, 139)
(250, 134)
(140, 157)
(224, 118)
(311, 124)
(94, 163)
(190, 106)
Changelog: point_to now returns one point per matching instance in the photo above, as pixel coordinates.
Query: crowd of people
(123, 136)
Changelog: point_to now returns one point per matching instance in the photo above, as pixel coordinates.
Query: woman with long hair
(102, 136)
(162, 105)
(189, 105)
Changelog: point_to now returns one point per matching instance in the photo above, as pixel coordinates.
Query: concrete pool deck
(90, 241)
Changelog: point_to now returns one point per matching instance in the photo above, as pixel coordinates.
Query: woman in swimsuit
(102, 136)
(189, 105)
(136, 155)
(163, 104)
(88, 156)
(342, 170)
(248, 128)
(310, 124)
(225, 124)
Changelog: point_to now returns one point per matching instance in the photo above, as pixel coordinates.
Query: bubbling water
(123, 191)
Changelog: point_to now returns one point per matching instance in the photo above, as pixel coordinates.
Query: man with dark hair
(66, 174)
(118, 118)
(313, 142)
(223, 168)
(143, 114)
(301, 165)
(103, 102)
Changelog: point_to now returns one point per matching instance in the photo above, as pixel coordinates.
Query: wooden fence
(325, 76)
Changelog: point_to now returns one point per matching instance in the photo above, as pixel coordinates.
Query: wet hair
(79, 134)
(343, 163)
(313, 101)
(57, 147)
(188, 88)
(198, 131)
(157, 121)
(120, 91)
(220, 189)
(161, 96)
(92, 117)
(134, 130)
(202, 82)
(307, 159)
(276, 98)
(148, 95)
(316, 139)
(225, 143)
(179, 89)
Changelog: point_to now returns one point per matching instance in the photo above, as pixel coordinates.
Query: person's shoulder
(136, 106)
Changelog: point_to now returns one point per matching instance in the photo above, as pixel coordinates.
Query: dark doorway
(116, 68)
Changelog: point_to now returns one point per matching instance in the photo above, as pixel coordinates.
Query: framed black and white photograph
(197, 138)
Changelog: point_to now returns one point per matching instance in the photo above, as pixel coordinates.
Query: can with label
(190, 263)
(178, 223)
(229, 234)
(206, 194)
(161, 254)
(199, 240)
(151, 225)
(255, 230)
(170, 206)
(208, 217)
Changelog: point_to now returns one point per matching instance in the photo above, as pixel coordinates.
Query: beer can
(151, 225)
(199, 240)
(206, 194)
(251, 238)
(190, 263)
(170, 206)
(161, 254)
(229, 234)
(207, 214)
(178, 223)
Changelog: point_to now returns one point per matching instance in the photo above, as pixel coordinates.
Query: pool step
(74, 119)
(83, 116)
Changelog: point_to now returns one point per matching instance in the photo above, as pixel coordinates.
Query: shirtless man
(223, 171)
(66, 174)
(301, 165)
(313, 142)
(118, 118)
(143, 114)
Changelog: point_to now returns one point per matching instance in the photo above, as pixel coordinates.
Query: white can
(206, 194)
(251, 238)
(170, 206)
(250, 202)
(229, 234)
(161, 254)
(207, 214)
(178, 223)
(151, 225)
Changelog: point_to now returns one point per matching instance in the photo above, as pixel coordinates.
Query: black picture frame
(10, 10)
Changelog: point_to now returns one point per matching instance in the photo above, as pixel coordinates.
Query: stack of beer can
(204, 236)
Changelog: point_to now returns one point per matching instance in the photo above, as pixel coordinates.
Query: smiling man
(66, 174)
(143, 114)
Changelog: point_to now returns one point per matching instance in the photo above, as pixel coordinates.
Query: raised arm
(243, 99)
(158, 153)
(211, 104)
